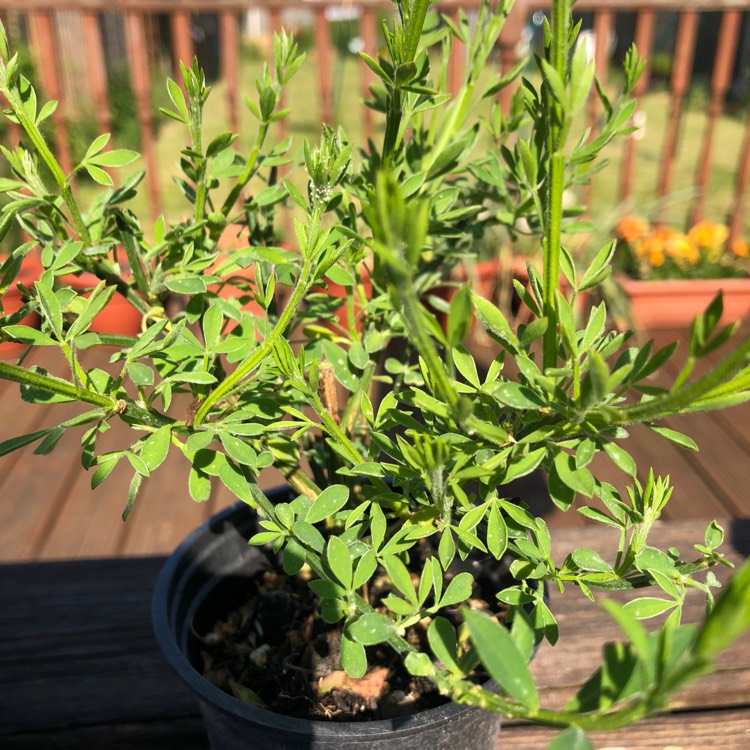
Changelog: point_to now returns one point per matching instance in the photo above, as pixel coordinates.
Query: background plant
(703, 252)
(293, 380)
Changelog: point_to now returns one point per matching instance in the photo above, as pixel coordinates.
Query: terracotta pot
(339, 291)
(119, 317)
(674, 303)
(31, 269)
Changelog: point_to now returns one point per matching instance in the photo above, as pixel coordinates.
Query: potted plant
(669, 276)
(399, 454)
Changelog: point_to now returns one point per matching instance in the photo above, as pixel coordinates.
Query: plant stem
(37, 139)
(555, 180)
(263, 350)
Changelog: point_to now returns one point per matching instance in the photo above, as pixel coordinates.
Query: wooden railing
(58, 32)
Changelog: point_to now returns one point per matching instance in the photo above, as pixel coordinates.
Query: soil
(275, 652)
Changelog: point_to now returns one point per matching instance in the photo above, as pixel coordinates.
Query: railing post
(739, 210)
(139, 78)
(644, 41)
(182, 41)
(369, 43)
(509, 39)
(44, 48)
(98, 70)
(323, 53)
(725, 54)
(684, 52)
(603, 27)
(229, 50)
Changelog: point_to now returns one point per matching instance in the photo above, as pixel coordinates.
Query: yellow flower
(708, 235)
(683, 249)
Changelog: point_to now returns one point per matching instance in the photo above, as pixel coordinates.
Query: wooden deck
(49, 512)
(78, 664)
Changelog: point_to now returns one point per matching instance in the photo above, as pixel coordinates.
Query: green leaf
(400, 576)
(493, 320)
(573, 738)
(119, 157)
(621, 459)
(517, 396)
(729, 619)
(459, 316)
(579, 480)
(339, 561)
(458, 590)
(372, 628)
(524, 465)
(365, 569)
(197, 378)
(97, 145)
(673, 436)
(501, 657)
(8, 446)
(211, 324)
(239, 450)
(294, 557)
(27, 335)
(648, 606)
(309, 535)
(199, 485)
(140, 373)
(353, 656)
(50, 306)
(135, 486)
(444, 644)
(330, 501)
(497, 533)
(156, 447)
(588, 559)
(100, 176)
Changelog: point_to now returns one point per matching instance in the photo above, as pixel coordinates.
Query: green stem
(672, 403)
(247, 175)
(258, 355)
(37, 139)
(556, 181)
(334, 430)
(59, 387)
(552, 244)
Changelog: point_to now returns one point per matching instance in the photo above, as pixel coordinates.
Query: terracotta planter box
(674, 303)
(31, 269)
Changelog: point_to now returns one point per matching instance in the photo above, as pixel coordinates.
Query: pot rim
(165, 631)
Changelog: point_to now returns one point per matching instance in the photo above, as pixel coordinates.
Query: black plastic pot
(202, 574)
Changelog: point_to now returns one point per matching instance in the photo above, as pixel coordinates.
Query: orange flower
(632, 228)
(656, 258)
(740, 248)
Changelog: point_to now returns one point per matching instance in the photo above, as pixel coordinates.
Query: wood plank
(728, 730)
